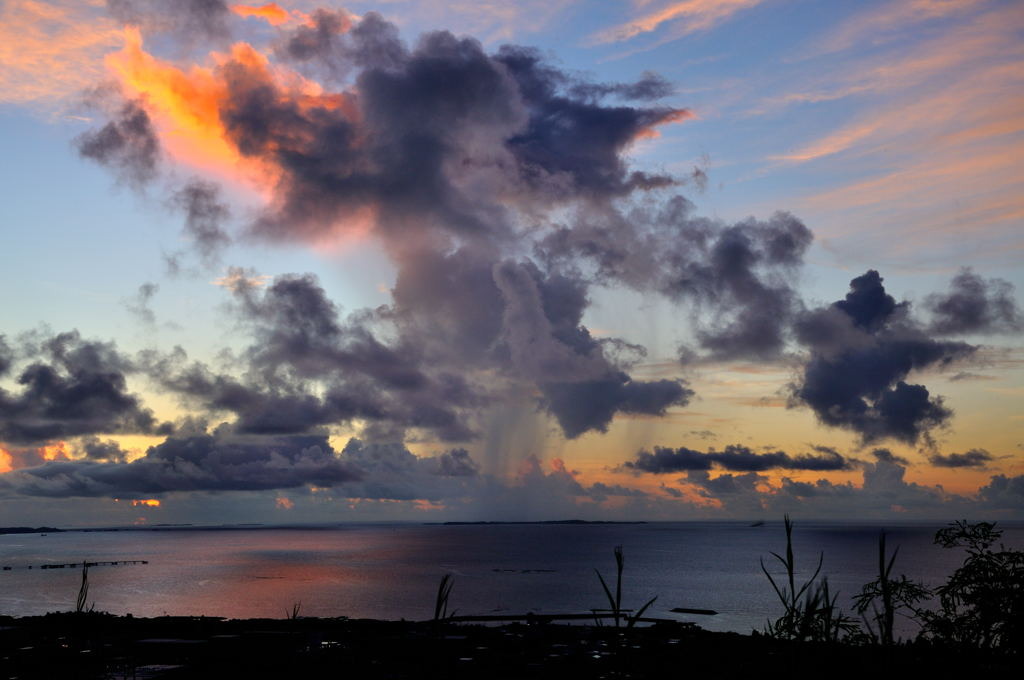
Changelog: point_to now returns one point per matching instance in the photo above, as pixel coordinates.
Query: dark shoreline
(97, 645)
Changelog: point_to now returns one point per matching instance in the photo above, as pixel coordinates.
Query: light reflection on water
(392, 571)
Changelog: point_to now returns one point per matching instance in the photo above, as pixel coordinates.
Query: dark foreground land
(93, 645)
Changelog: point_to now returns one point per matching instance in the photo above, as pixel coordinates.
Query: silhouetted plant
(894, 596)
(982, 604)
(825, 620)
(444, 591)
(616, 602)
(294, 613)
(810, 611)
(83, 591)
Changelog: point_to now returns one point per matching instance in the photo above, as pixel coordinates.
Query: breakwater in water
(79, 565)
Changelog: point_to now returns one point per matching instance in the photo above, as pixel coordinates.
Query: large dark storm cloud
(457, 157)
(440, 136)
(70, 387)
(447, 149)
(862, 350)
(734, 457)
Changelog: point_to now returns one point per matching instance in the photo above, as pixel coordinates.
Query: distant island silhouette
(549, 521)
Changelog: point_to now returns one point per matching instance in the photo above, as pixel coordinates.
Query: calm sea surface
(392, 571)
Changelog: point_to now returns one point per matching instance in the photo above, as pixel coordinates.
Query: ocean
(391, 571)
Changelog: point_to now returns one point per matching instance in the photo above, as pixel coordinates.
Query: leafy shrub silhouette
(982, 604)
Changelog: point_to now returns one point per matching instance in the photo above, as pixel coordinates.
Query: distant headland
(549, 521)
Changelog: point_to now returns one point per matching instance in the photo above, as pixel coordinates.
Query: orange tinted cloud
(692, 15)
(146, 502)
(6, 461)
(671, 117)
(186, 104)
(55, 451)
(239, 279)
(284, 503)
(840, 140)
(52, 50)
(272, 13)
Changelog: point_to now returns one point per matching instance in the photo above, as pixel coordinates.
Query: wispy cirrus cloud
(689, 16)
(941, 84)
(897, 72)
(878, 25)
(935, 136)
(52, 50)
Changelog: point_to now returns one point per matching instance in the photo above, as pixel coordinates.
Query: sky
(422, 261)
